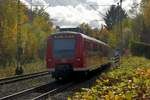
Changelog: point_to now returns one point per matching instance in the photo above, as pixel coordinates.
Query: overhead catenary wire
(97, 10)
(73, 12)
(77, 15)
(100, 13)
(93, 8)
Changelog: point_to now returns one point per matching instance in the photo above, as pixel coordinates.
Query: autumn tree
(8, 31)
(34, 32)
(86, 28)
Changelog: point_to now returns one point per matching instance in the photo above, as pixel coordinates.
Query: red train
(69, 52)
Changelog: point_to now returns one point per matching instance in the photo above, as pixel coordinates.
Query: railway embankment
(131, 80)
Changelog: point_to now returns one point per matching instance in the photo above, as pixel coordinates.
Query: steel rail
(22, 77)
(27, 91)
(53, 91)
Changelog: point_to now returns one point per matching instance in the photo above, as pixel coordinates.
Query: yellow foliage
(143, 72)
(28, 68)
(129, 81)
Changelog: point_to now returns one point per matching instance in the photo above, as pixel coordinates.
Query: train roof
(83, 35)
(77, 29)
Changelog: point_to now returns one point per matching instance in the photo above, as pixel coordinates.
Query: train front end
(64, 54)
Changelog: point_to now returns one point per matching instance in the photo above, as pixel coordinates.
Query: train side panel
(95, 54)
(49, 56)
(79, 59)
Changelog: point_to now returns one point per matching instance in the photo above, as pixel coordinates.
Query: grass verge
(28, 68)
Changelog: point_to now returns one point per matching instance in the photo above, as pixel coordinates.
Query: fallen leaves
(129, 81)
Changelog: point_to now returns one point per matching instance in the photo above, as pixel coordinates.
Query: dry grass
(28, 68)
(7, 71)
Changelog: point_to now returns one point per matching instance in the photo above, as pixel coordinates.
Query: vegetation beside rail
(129, 81)
(28, 68)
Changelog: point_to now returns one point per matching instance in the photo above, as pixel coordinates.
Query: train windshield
(64, 48)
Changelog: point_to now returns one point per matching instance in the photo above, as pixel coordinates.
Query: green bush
(140, 49)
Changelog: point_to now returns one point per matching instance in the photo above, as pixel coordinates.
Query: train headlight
(49, 60)
(78, 59)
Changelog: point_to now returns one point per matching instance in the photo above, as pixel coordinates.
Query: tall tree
(34, 32)
(86, 28)
(146, 32)
(113, 16)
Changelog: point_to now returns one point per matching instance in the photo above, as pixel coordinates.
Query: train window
(87, 45)
(95, 47)
(64, 48)
(100, 49)
(105, 50)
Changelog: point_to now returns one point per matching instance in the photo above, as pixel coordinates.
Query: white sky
(71, 13)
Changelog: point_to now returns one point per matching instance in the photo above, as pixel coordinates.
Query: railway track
(43, 91)
(46, 95)
(22, 77)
